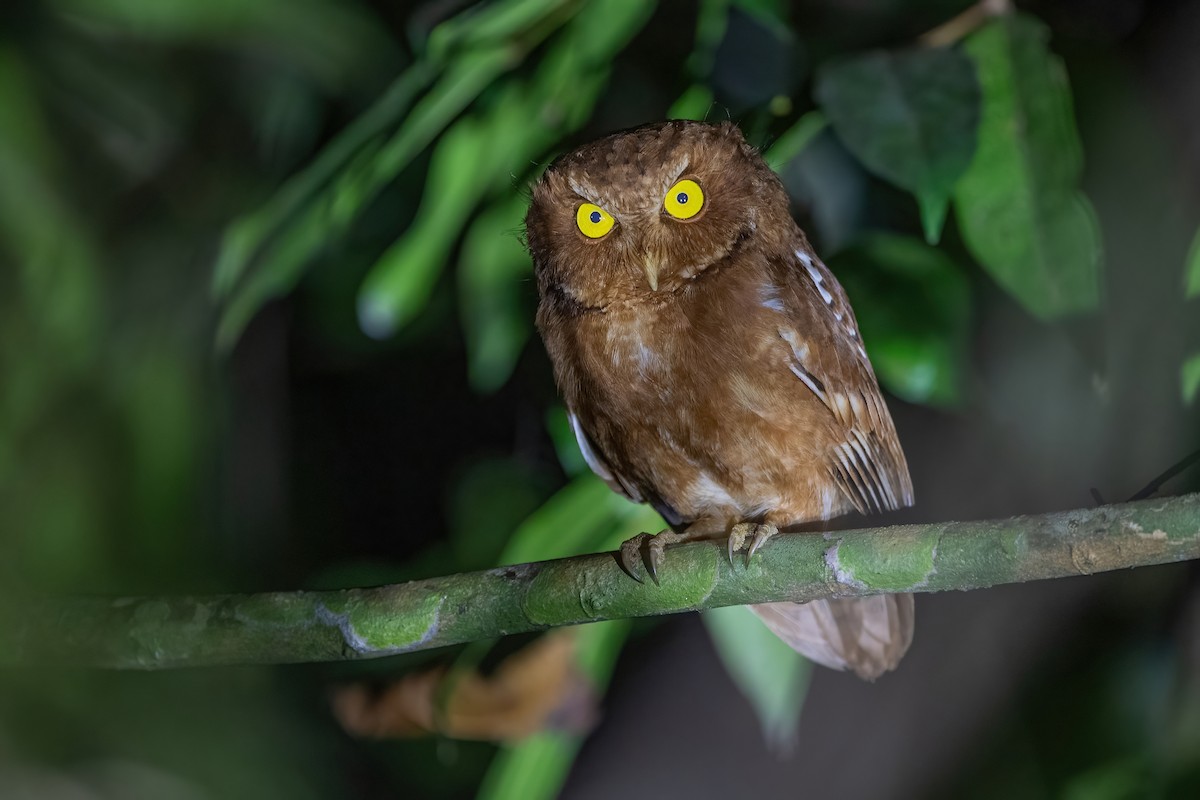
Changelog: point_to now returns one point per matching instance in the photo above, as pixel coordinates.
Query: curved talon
(631, 554)
(757, 533)
(656, 558)
(737, 537)
(761, 534)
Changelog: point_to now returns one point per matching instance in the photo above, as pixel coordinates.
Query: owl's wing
(824, 350)
(598, 464)
(619, 484)
(827, 356)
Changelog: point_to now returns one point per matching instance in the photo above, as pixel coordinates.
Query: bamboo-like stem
(286, 627)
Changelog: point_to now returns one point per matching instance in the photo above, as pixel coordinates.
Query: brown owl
(711, 364)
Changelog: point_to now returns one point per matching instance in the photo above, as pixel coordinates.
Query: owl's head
(638, 214)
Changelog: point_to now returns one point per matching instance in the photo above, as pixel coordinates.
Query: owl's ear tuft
(730, 128)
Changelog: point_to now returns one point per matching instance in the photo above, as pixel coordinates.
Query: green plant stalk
(285, 627)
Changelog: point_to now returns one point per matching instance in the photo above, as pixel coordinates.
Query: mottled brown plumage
(712, 365)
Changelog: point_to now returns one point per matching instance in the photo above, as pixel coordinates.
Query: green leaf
(492, 273)
(913, 308)
(558, 425)
(910, 117)
(696, 103)
(477, 157)
(793, 141)
(580, 518)
(333, 41)
(488, 24)
(772, 676)
(400, 282)
(1021, 215)
(712, 18)
(1191, 272)
(248, 235)
(487, 502)
(1189, 378)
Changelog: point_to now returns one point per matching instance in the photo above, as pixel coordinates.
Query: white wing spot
(799, 348)
(808, 381)
(769, 297)
(816, 277)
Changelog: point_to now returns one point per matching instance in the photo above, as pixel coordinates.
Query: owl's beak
(650, 267)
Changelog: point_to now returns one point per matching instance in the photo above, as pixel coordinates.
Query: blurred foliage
(266, 321)
(912, 303)
(1022, 214)
(773, 676)
(909, 117)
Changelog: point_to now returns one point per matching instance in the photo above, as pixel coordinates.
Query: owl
(712, 366)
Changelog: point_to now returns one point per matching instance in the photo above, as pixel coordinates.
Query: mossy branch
(283, 627)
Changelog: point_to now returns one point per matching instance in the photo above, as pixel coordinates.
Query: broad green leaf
(1021, 215)
(536, 768)
(1189, 377)
(1191, 272)
(909, 117)
(913, 308)
(772, 676)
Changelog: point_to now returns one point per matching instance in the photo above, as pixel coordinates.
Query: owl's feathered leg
(653, 545)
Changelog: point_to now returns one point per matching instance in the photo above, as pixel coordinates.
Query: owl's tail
(868, 635)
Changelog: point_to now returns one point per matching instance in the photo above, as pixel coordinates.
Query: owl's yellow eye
(594, 221)
(684, 200)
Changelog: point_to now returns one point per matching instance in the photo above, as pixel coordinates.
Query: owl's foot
(653, 544)
(755, 532)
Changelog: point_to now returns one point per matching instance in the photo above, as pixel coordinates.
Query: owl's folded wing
(601, 465)
(865, 459)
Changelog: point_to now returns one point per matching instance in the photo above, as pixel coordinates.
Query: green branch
(283, 627)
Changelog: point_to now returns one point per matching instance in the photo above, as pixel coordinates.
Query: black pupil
(681, 198)
(595, 217)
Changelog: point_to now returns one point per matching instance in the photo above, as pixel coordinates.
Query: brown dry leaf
(540, 687)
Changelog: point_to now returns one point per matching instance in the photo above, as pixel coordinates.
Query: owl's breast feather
(692, 400)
